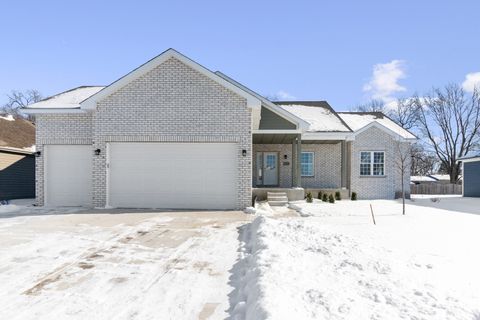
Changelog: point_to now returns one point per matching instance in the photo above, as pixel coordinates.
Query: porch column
(298, 176)
(344, 164)
(293, 181)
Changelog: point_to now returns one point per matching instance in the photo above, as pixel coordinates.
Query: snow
(319, 118)
(357, 121)
(336, 264)
(8, 117)
(68, 99)
(423, 178)
(331, 264)
(117, 264)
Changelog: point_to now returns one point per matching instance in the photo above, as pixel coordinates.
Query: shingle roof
(359, 120)
(69, 99)
(319, 114)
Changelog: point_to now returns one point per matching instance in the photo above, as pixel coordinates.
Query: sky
(345, 52)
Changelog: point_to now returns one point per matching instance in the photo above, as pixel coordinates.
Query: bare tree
(18, 100)
(450, 121)
(423, 161)
(404, 112)
(371, 106)
(402, 164)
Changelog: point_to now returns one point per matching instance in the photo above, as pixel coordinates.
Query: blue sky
(345, 52)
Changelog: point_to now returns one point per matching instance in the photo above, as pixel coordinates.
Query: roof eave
(52, 110)
(90, 103)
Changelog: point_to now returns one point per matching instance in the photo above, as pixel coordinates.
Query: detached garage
(471, 175)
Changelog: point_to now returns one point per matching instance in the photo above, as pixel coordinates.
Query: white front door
(267, 168)
(173, 175)
(68, 175)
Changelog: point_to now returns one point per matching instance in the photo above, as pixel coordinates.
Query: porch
(286, 162)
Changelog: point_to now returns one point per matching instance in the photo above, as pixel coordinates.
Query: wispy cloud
(385, 80)
(472, 80)
(281, 95)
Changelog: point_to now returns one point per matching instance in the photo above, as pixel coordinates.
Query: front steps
(277, 198)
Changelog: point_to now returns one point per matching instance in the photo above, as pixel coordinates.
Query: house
(173, 134)
(471, 175)
(17, 161)
(422, 180)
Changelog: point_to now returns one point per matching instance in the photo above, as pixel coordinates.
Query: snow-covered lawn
(335, 264)
(97, 265)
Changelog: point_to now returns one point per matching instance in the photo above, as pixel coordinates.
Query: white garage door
(68, 176)
(173, 175)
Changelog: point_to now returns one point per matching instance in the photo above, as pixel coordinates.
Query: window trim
(313, 164)
(372, 162)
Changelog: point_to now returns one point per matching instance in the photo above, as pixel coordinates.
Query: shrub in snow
(337, 195)
(324, 197)
(309, 197)
(319, 195)
(354, 196)
(331, 199)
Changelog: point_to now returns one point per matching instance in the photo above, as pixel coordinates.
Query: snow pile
(418, 266)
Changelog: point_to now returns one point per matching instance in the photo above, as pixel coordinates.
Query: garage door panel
(69, 175)
(173, 175)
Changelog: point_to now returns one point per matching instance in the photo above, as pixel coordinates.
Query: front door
(267, 168)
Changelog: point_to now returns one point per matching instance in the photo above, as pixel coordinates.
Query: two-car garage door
(172, 175)
(146, 175)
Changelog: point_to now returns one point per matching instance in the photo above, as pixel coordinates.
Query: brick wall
(375, 139)
(58, 129)
(171, 103)
(327, 162)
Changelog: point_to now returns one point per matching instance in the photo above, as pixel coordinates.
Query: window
(306, 164)
(372, 163)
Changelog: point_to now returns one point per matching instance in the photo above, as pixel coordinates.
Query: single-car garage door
(68, 176)
(173, 175)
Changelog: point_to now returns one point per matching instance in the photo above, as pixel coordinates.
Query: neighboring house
(422, 180)
(471, 175)
(433, 178)
(173, 134)
(17, 161)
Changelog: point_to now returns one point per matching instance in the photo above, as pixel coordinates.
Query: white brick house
(172, 134)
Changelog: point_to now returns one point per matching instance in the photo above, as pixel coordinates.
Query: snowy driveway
(117, 265)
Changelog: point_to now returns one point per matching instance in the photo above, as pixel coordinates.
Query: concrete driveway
(117, 264)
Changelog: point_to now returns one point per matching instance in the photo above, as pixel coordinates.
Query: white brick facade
(327, 164)
(384, 187)
(171, 103)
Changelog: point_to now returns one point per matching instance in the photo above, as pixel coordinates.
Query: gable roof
(267, 103)
(69, 99)
(90, 102)
(16, 133)
(361, 121)
(319, 115)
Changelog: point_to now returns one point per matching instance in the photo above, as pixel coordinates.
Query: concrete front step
(277, 198)
(277, 203)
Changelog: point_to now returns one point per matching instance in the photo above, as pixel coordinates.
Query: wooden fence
(436, 188)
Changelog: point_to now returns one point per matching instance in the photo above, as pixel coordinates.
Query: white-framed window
(372, 163)
(307, 164)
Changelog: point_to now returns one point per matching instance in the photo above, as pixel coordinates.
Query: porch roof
(274, 138)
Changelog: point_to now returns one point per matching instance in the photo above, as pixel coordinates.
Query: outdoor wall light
(285, 157)
(37, 154)
(244, 152)
(97, 152)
